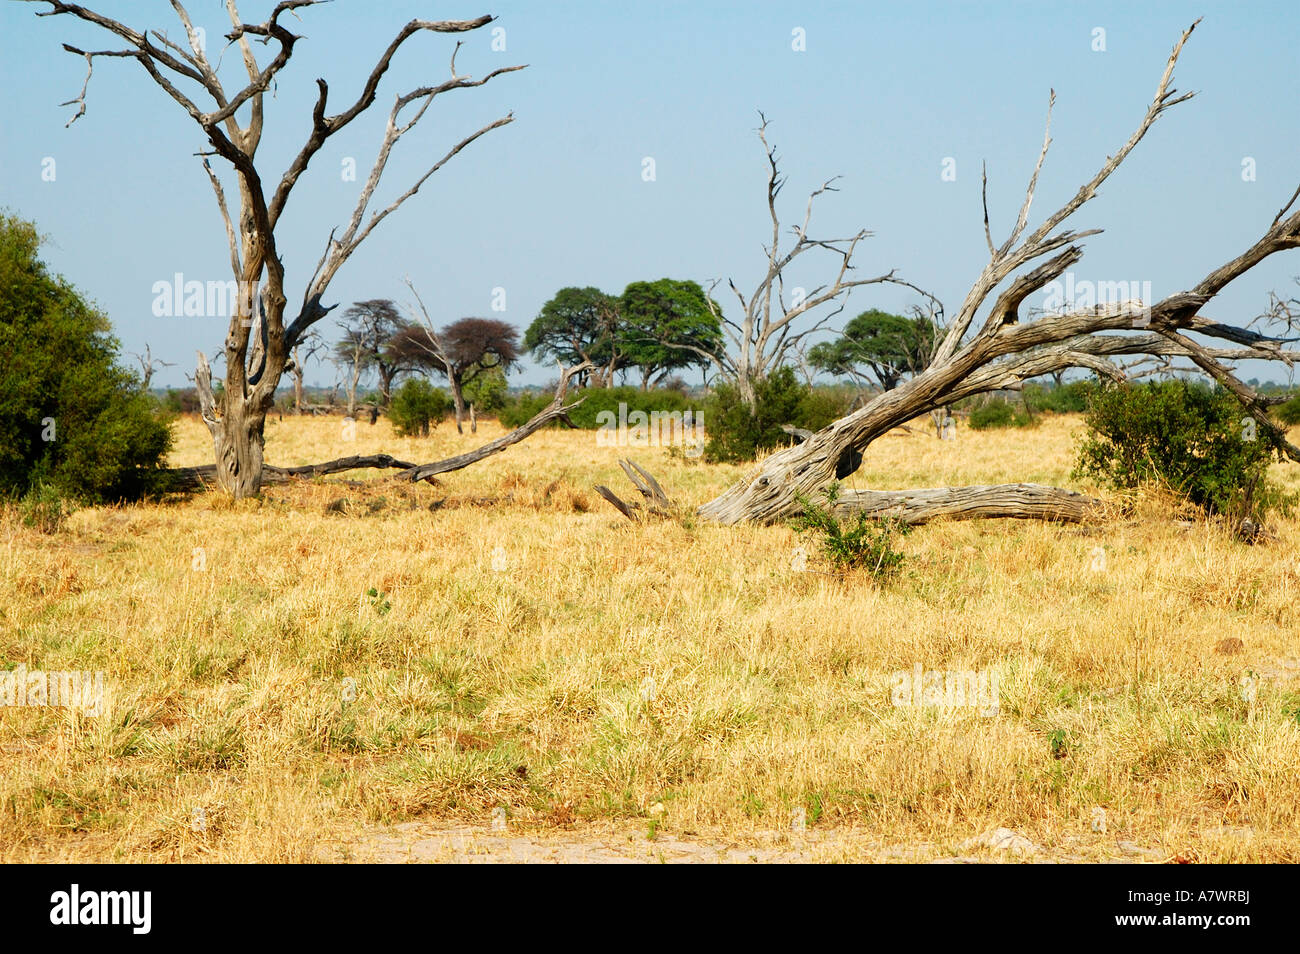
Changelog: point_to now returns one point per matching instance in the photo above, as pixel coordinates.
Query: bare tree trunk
(297, 382)
(237, 435)
(458, 399)
(473, 420)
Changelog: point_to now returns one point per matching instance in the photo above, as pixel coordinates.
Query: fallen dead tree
(991, 347)
(1016, 501)
(195, 478)
(913, 507)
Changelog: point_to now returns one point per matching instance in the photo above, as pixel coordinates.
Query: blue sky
(882, 95)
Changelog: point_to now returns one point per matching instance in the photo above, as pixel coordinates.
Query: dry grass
(232, 636)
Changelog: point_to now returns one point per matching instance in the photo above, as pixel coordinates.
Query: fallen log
(1003, 501)
(914, 507)
(557, 410)
(196, 478)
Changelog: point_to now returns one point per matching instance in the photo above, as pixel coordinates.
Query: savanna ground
(356, 671)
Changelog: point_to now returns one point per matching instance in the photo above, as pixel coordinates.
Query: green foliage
(1185, 435)
(1071, 398)
(44, 509)
(577, 323)
(998, 413)
(655, 326)
(738, 432)
(663, 322)
(1289, 413)
(891, 346)
(862, 543)
(70, 416)
(379, 601)
(820, 406)
(186, 401)
(486, 390)
(595, 402)
(417, 406)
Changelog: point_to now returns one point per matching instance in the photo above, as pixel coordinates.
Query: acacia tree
(579, 324)
(349, 359)
(891, 347)
(368, 328)
(259, 340)
(463, 351)
(665, 325)
(991, 348)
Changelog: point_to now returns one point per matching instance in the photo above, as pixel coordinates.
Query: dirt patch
(431, 843)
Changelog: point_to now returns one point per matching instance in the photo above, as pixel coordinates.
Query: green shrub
(998, 413)
(186, 401)
(1289, 413)
(823, 405)
(70, 416)
(863, 543)
(486, 391)
(1192, 438)
(1069, 398)
(737, 432)
(43, 508)
(521, 407)
(417, 406)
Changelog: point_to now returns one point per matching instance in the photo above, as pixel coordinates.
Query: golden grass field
(262, 706)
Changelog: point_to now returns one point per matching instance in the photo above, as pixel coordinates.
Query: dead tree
(257, 347)
(769, 332)
(993, 348)
(148, 365)
(303, 351)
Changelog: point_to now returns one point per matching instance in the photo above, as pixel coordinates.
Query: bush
(1289, 413)
(738, 433)
(186, 401)
(486, 391)
(822, 405)
(43, 508)
(999, 413)
(1195, 439)
(865, 543)
(417, 406)
(72, 421)
(1069, 398)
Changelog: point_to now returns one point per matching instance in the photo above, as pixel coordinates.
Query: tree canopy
(656, 326)
(668, 325)
(891, 347)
